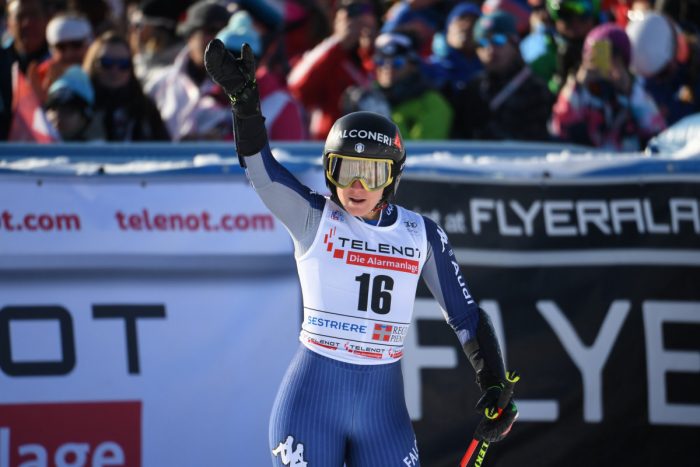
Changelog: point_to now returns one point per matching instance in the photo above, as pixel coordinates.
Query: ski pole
(477, 448)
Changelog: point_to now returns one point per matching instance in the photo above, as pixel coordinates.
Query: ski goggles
(373, 174)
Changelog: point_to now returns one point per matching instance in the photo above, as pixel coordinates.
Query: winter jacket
(190, 111)
(487, 110)
(419, 111)
(319, 79)
(284, 118)
(610, 120)
(428, 116)
(128, 115)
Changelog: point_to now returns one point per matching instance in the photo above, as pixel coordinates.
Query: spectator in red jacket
(342, 60)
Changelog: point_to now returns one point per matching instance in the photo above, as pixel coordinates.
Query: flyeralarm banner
(594, 289)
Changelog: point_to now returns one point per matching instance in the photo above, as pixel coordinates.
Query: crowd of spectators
(605, 73)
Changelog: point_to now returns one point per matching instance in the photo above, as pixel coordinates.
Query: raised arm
(294, 204)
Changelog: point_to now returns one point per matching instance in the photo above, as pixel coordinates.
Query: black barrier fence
(596, 287)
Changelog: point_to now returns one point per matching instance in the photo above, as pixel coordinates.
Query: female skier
(359, 258)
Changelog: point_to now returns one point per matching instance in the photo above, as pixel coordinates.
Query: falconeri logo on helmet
(364, 134)
(359, 147)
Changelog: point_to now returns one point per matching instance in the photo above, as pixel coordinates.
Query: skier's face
(359, 202)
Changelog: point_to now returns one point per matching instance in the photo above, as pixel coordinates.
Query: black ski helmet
(369, 135)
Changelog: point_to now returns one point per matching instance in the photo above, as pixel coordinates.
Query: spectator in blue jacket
(454, 61)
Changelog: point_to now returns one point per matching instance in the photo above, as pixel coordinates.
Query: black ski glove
(494, 426)
(236, 76)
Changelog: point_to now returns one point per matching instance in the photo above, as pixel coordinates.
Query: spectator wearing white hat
(69, 36)
(283, 114)
(667, 62)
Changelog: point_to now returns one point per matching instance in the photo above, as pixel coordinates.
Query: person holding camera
(603, 105)
(340, 61)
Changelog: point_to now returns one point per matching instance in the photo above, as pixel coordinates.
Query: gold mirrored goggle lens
(373, 174)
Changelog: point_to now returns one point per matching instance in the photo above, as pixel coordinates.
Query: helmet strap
(380, 206)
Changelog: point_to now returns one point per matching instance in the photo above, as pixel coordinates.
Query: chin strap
(380, 206)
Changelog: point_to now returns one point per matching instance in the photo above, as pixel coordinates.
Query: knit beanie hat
(616, 37)
(73, 86)
(240, 29)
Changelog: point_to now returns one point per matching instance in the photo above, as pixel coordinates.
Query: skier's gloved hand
(236, 76)
(494, 427)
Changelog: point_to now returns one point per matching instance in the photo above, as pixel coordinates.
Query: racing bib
(359, 284)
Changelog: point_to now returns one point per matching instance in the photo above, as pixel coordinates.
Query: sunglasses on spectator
(394, 62)
(109, 63)
(358, 9)
(496, 40)
(77, 44)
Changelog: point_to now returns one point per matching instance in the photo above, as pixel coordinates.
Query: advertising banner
(174, 368)
(593, 287)
(122, 216)
(149, 320)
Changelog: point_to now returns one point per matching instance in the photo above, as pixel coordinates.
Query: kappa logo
(290, 456)
(443, 237)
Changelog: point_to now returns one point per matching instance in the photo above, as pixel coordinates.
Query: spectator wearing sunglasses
(419, 111)
(506, 101)
(191, 105)
(340, 61)
(68, 36)
(603, 105)
(125, 111)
